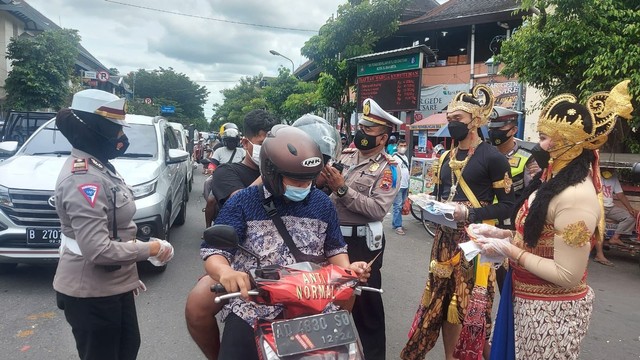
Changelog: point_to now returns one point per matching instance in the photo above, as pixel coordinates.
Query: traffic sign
(148, 101)
(167, 109)
(103, 76)
(90, 74)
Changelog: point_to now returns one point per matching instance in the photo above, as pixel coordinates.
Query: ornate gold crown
(481, 112)
(563, 119)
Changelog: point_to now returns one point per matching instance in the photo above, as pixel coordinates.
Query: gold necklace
(455, 164)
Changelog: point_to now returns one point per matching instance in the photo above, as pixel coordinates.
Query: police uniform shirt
(373, 184)
(84, 202)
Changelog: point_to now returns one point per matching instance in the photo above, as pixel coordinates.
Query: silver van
(153, 167)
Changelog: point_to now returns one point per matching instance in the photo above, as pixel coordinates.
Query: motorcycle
(312, 326)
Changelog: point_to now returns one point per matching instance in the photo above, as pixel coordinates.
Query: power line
(209, 18)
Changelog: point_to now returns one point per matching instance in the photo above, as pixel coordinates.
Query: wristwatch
(471, 217)
(342, 190)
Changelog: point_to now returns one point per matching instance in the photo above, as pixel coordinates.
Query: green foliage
(289, 98)
(582, 46)
(353, 32)
(577, 46)
(41, 69)
(247, 95)
(167, 87)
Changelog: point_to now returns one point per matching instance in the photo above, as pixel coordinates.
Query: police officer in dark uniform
(503, 126)
(363, 193)
(97, 278)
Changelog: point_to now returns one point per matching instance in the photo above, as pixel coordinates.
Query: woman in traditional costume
(560, 218)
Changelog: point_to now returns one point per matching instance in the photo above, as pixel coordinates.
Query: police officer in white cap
(363, 193)
(97, 278)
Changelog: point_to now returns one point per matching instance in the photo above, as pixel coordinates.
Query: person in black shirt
(470, 176)
(228, 179)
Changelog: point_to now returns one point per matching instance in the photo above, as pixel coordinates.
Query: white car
(153, 167)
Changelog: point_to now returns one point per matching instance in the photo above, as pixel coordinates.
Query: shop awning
(431, 122)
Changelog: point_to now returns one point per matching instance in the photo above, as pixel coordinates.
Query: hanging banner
(506, 93)
(433, 99)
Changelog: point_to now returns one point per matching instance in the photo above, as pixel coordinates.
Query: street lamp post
(293, 66)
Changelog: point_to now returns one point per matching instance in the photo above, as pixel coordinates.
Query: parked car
(181, 135)
(153, 167)
(19, 125)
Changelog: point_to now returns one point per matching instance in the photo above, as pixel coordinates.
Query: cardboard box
(462, 59)
(452, 60)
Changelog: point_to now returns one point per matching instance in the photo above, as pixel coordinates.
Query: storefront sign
(401, 63)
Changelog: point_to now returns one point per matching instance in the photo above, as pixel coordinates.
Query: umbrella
(472, 337)
(444, 132)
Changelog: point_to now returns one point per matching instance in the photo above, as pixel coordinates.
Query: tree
(577, 46)
(167, 87)
(289, 98)
(353, 32)
(238, 101)
(42, 66)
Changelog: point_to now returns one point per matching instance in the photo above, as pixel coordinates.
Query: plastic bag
(406, 207)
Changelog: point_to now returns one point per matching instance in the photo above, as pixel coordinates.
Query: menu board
(398, 91)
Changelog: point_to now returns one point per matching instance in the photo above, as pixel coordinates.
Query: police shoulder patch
(387, 183)
(79, 165)
(90, 193)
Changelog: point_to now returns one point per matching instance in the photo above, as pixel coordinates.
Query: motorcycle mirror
(221, 236)
(224, 237)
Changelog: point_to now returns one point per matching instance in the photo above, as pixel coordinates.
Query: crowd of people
(538, 210)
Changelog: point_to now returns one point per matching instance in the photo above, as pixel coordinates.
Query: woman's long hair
(572, 174)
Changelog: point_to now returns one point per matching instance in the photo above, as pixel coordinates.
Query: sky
(212, 53)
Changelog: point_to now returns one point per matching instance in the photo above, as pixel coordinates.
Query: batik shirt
(313, 226)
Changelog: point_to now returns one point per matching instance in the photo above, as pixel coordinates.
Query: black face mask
(458, 130)
(541, 156)
(231, 143)
(498, 136)
(117, 147)
(364, 141)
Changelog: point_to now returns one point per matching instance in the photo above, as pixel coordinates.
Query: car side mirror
(8, 148)
(177, 156)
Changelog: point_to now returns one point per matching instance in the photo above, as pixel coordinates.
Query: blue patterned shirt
(313, 226)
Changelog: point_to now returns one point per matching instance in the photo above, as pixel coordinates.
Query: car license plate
(315, 332)
(44, 236)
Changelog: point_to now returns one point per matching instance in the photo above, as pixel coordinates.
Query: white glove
(141, 288)
(494, 247)
(479, 231)
(165, 254)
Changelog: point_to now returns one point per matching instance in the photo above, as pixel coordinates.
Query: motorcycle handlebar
(232, 295)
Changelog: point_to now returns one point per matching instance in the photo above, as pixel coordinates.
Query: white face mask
(402, 150)
(255, 154)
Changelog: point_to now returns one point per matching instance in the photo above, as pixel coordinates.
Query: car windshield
(50, 141)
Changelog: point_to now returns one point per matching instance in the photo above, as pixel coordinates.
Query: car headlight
(5, 200)
(146, 189)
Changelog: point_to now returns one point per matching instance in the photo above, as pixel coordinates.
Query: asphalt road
(32, 327)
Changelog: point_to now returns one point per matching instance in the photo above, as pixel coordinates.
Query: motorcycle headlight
(5, 200)
(146, 189)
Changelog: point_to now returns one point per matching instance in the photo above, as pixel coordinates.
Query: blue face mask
(295, 193)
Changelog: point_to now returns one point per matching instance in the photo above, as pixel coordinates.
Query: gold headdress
(479, 113)
(574, 127)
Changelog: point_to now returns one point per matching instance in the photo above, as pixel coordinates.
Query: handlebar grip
(367, 288)
(218, 288)
(228, 296)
